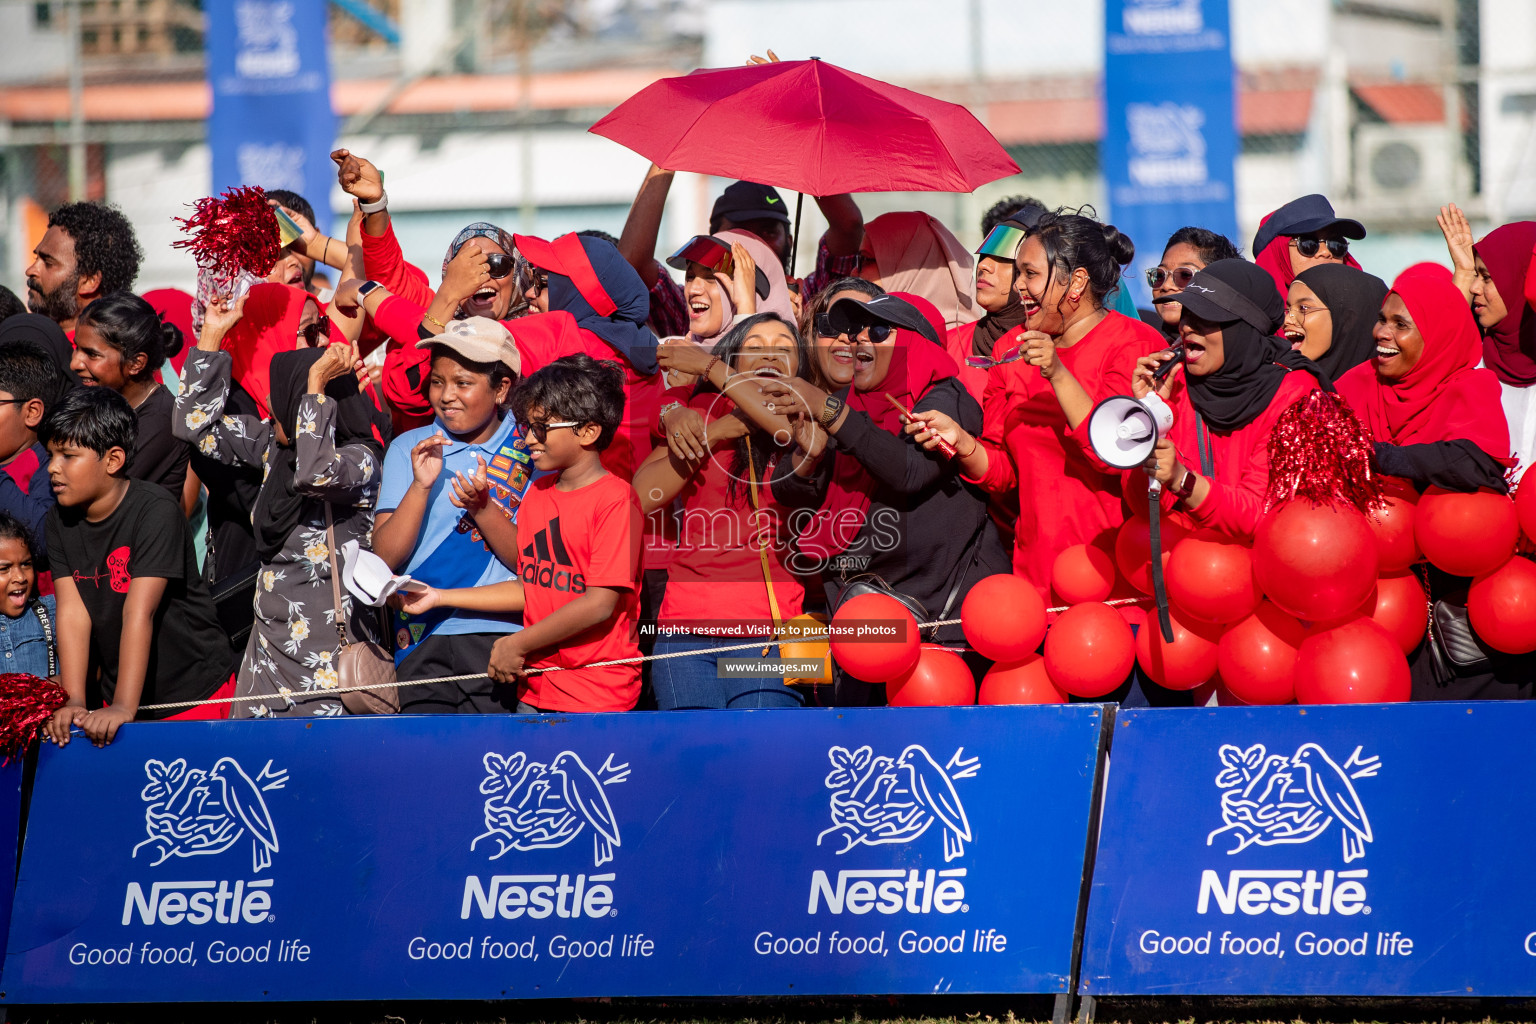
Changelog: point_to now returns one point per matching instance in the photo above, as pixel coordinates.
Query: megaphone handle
(1159, 590)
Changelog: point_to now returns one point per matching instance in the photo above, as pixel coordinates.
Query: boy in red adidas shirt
(578, 534)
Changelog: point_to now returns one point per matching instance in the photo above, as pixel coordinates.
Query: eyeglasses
(1181, 277)
(312, 333)
(540, 431)
(877, 332)
(499, 265)
(1003, 242)
(985, 363)
(1309, 246)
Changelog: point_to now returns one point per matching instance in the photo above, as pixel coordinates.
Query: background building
(479, 110)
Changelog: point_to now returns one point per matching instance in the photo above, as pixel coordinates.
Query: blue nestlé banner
(272, 123)
(1170, 138)
(1370, 850)
(717, 853)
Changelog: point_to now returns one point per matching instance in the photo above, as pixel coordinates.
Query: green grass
(873, 1010)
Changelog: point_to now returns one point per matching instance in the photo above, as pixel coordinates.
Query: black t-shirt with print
(159, 457)
(189, 656)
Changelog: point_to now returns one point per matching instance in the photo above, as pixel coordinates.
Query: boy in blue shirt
(446, 510)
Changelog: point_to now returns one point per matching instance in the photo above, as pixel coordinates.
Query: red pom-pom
(26, 703)
(237, 231)
(1320, 451)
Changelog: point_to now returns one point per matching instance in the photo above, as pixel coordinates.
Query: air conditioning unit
(1417, 165)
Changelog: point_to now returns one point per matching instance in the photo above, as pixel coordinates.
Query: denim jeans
(689, 683)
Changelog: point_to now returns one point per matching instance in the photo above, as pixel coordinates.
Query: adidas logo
(542, 560)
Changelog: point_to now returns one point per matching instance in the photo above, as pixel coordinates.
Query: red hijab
(1276, 258)
(917, 364)
(175, 307)
(1444, 397)
(269, 325)
(1509, 347)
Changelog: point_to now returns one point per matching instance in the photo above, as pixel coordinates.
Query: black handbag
(1457, 649)
(234, 602)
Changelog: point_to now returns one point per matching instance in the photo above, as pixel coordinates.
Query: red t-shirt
(1239, 459)
(1065, 497)
(717, 572)
(573, 540)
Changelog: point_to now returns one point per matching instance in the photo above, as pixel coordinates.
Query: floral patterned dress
(291, 656)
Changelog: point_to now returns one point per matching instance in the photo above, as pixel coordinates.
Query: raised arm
(199, 419)
(350, 473)
(637, 242)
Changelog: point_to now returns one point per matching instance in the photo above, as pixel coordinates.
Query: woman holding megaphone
(1040, 391)
(1237, 380)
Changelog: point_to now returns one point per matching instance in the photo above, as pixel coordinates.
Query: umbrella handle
(794, 241)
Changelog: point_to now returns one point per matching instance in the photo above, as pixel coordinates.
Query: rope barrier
(401, 684)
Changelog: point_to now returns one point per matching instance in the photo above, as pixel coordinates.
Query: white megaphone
(1124, 430)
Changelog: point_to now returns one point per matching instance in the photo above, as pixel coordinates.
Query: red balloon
(879, 659)
(1133, 549)
(1083, 572)
(1392, 527)
(1466, 534)
(1184, 664)
(1089, 651)
(1502, 607)
(1402, 609)
(1004, 617)
(1210, 577)
(941, 678)
(1020, 682)
(1315, 561)
(1256, 658)
(1525, 509)
(1356, 663)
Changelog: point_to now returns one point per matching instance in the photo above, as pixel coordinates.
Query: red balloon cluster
(1323, 608)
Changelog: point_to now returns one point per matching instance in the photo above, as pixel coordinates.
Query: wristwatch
(1186, 486)
(830, 410)
(375, 207)
(365, 288)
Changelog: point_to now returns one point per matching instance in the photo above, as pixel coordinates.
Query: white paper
(368, 577)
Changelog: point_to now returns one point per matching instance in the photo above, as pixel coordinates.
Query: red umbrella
(810, 126)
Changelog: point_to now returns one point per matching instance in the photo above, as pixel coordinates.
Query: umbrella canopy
(809, 126)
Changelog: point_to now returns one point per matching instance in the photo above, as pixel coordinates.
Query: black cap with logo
(745, 201)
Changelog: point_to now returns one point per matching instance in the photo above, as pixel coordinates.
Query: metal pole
(76, 104)
(528, 214)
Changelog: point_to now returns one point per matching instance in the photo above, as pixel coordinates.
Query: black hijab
(1353, 298)
(43, 334)
(1242, 298)
(279, 503)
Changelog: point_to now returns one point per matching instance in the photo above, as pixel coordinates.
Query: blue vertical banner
(272, 124)
(1170, 141)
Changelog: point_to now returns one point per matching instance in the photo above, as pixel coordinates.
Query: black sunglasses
(1309, 247)
(540, 431)
(498, 265)
(877, 332)
(1181, 277)
(312, 333)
